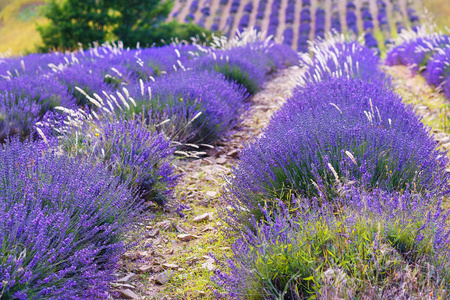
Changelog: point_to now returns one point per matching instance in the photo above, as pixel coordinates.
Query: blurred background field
(18, 18)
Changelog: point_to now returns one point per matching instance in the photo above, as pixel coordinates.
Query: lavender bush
(320, 23)
(190, 107)
(290, 12)
(335, 22)
(85, 78)
(415, 52)
(380, 245)
(24, 100)
(273, 18)
(438, 70)
(351, 20)
(243, 23)
(234, 6)
(62, 225)
(288, 36)
(245, 65)
(31, 65)
(132, 151)
(335, 58)
(336, 131)
(261, 9)
(248, 7)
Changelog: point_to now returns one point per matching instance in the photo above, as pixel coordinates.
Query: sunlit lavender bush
(240, 65)
(438, 70)
(248, 65)
(333, 132)
(31, 65)
(86, 78)
(416, 50)
(26, 99)
(190, 107)
(62, 224)
(337, 58)
(130, 149)
(379, 245)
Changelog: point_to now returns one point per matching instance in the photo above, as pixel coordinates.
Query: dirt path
(173, 257)
(432, 106)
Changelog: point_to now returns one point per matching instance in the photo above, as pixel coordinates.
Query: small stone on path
(162, 278)
(209, 264)
(170, 266)
(128, 294)
(204, 217)
(187, 237)
(127, 278)
(145, 268)
(221, 160)
(153, 233)
(211, 193)
(233, 153)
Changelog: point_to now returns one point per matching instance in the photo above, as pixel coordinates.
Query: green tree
(136, 19)
(73, 22)
(130, 21)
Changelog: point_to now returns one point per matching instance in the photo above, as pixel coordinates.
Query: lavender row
(342, 156)
(304, 29)
(63, 224)
(427, 54)
(438, 70)
(104, 158)
(274, 18)
(368, 26)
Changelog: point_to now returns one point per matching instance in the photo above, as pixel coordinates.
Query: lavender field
(295, 22)
(304, 157)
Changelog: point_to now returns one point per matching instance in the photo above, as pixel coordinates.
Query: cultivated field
(310, 166)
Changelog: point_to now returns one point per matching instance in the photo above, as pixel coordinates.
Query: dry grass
(18, 36)
(441, 10)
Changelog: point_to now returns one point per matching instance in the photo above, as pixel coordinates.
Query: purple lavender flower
(25, 100)
(336, 22)
(31, 65)
(189, 17)
(304, 150)
(243, 23)
(305, 15)
(438, 69)
(194, 6)
(273, 18)
(351, 21)
(416, 52)
(320, 23)
(288, 36)
(261, 9)
(246, 66)
(290, 13)
(284, 254)
(62, 224)
(344, 59)
(248, 7)
(371, 42)
(85, 78)
(205, 11)
(234, 6)
(193, 107)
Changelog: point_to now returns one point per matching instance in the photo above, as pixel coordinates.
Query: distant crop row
(88, 144)
(341, 196)
(296, 22)
(426, 53)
